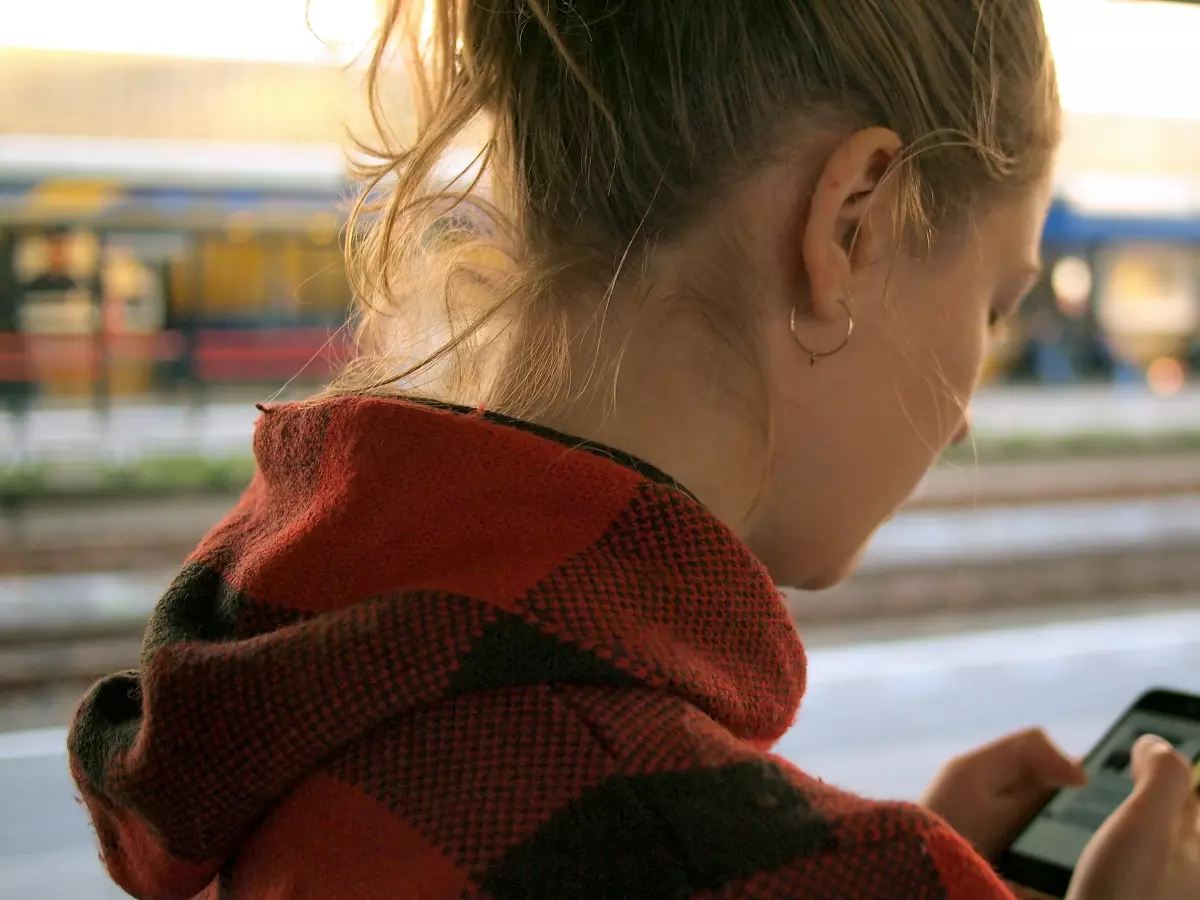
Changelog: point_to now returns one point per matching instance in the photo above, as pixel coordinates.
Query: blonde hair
(607, 127)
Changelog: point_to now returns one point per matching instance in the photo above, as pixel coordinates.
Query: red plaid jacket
(435, 654)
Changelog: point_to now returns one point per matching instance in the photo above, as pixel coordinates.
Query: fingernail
(1152, 743)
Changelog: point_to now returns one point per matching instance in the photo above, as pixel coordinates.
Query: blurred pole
(166, 379)
(15, 385)
(1105, 360)
(101, 399)
(192, 338)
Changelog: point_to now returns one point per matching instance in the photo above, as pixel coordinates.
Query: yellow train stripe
(69, 196)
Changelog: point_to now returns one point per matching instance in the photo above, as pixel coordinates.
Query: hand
(1149, 849)
(989, 794)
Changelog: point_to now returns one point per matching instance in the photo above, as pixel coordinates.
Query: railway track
(60, 657)
(134, 534)
(939, 559)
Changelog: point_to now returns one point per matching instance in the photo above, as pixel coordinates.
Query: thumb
(1129, 855)
(1161, 779)
(1043, 763)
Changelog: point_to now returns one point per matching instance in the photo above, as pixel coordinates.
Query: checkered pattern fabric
(436, 654)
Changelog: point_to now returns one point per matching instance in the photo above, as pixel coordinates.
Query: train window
(71, 254)
(132, 292)
(1148, 303)
(321, 282)
(183, 286)
(55, 271)
(133, 265)
(271, 274)
(233, 275)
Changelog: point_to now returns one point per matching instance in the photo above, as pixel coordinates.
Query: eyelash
(995, 316)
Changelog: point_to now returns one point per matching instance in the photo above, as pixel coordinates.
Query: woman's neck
(654, 389)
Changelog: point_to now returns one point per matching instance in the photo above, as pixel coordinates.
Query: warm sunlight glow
(276, 30)
(1115, 57)
(346, 25)
(1166, 376)
(426, 33)
(1123, 58)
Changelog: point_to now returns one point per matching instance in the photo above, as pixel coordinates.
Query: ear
(839, 235)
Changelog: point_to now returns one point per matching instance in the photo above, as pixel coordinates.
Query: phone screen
(1063, 828)
(1045, 854)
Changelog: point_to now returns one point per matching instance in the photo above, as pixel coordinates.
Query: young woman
(503, 623)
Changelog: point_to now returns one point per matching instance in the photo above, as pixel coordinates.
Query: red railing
(266, 355)
(212, 355)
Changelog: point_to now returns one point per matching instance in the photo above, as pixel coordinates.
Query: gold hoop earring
(814, 355)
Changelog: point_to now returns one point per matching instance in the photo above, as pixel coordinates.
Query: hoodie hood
(389, 556)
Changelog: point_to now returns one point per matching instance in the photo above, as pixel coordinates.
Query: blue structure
(1067, 226)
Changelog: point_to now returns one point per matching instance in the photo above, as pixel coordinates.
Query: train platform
(224, 426)
(879, 717)
(914, 543)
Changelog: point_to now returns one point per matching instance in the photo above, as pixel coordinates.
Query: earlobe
(815, 356)
(840, 231)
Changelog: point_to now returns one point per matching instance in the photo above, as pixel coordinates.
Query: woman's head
(692, 199)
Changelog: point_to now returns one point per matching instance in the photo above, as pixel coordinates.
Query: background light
(1071, 280)
(1165, 376)
(1118, 58)
(1114, 58)
(273, 30)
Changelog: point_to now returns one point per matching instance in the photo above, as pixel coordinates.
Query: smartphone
(1043, 857)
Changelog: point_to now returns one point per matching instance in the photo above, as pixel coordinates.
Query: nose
(964, 430)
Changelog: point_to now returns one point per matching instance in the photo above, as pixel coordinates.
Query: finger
(1143, 832)
(1161, 776)
(1189, 828)
(1008, 747)
(1043, 762)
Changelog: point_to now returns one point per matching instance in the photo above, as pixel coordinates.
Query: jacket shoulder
(740, 823)
(525, 793)
(854, 847)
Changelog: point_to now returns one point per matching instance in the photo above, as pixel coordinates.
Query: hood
(388, 556)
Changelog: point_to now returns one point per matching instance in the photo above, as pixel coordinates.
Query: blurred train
(128, 268)
(1120, 296)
